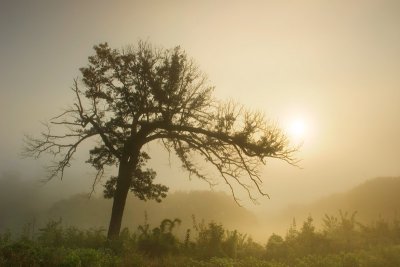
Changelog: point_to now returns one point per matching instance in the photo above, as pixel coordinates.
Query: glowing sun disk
(297, 129)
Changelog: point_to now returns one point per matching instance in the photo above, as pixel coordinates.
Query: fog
(334, 66)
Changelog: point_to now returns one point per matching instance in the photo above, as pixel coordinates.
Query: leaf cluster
(127, 98)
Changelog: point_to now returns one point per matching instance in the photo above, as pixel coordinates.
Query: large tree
(128, 98)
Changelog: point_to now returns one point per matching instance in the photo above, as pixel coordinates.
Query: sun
(297, 129)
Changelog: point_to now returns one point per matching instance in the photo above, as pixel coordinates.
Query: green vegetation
(341, 242)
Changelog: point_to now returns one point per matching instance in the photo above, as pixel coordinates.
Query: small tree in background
(129, 98)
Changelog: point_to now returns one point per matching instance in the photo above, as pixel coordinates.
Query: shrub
(160, 241)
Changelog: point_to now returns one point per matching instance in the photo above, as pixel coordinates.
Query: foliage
(159, 241)
(129, 98)
(213, 241)
(5, 238)
(55, 245)
(55, 235)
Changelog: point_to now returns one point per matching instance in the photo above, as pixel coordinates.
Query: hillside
(375, 198)
(23, 202)
(379, 197)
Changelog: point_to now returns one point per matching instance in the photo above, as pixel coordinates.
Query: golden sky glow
(297, 129)
(328, 72)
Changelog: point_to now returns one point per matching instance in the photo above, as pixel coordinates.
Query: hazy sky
(332, 65)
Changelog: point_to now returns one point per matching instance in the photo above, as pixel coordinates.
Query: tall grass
(342, 241)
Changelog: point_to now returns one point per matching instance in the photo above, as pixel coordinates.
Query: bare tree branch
(130, 98)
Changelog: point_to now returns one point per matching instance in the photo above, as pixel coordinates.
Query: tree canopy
(130, 97)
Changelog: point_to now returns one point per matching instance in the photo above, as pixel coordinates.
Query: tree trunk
(120, 195)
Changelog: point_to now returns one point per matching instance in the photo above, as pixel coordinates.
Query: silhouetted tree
(128, 98)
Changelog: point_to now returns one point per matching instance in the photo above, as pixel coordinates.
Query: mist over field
(24, 203)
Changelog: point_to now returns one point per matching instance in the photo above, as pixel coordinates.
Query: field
(342, 241)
